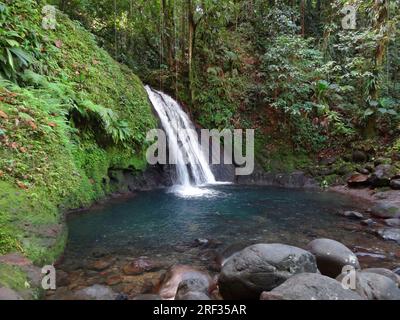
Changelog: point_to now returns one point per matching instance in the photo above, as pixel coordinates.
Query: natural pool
(164, 226)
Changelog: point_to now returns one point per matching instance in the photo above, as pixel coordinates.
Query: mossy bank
(68, 114)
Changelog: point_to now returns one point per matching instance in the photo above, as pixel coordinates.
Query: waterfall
(183, 143)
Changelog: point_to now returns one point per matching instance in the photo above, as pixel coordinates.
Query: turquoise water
(159, 223)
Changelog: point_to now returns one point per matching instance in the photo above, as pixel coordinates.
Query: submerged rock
(373, 286)
(310, 286)
(332, 256)
(96, 292)
(262, 267)
(141, 265)
(171, 280)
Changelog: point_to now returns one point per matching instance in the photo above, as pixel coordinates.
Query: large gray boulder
(310, 286)
(332, 256)
(385, 272)
(373, 286)
(262, 267)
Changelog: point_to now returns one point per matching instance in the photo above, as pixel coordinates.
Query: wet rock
(100, 265)
(359, 156)
(373, 286)
(352, 215)
(391, 234)
(363, 171)
(62, 279)
(393, 222)
(151, 297)
(15, 259)
(397, 271)
(385, 210)
(113, 280)
(193, 289)
(385, 272)
(395, 184)
(382, 175)
(262, 267)
(96, 292)
(141, 265)
(171, 280)
(358, 181)
(332, 256)
(368, 222)
(9, 294)
(310, 286)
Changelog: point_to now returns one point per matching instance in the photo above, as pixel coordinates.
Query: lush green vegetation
(68, 113)
(286, 68)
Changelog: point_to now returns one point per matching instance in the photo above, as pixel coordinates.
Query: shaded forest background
(286, 68)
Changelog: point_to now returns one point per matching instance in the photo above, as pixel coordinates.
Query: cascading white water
(183, 143)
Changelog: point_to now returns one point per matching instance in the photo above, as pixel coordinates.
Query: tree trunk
(192, 28)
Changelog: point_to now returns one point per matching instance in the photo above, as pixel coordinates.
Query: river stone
(382, 175)
(393, 222)
(310, 286)
(141, 265)
(96, 292)
(391, 234)
(171, 280)
(385, 272)
(395, 184)
(358, 181)
(385, 210)
(9, 294)
(359, 156)
(193, 289)
(332, 256)
(262, 267)
(353, 215)
(373, 286)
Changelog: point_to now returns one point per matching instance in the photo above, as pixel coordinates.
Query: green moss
(13, 278)
(54, 155)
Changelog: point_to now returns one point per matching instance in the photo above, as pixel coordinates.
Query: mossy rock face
(55, 150)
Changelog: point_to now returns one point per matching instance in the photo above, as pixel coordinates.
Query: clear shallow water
(161, 227)
(158, 222)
